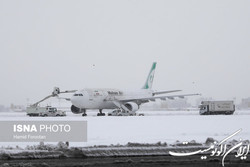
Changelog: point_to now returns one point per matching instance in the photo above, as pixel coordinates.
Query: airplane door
(95, 99)
(98, 98)
(98, 95)
(91, 96)
(95, 95)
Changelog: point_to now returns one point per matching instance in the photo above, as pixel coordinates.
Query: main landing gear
(101, 113)
(84, 112)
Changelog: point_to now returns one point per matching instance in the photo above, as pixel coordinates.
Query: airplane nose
(77, 99)
(73, 100)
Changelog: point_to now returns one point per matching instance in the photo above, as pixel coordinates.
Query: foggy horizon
(199, 46)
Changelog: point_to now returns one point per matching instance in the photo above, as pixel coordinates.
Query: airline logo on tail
(149, 82)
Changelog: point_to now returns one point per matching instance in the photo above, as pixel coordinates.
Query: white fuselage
(103, 98)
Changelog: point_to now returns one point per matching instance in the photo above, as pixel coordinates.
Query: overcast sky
(199, 46)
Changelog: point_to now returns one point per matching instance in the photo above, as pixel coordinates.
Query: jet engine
(76, 110)
(132, 106)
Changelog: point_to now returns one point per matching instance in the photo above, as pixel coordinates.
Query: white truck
(217, 107)
(120, 112)
(44, 111)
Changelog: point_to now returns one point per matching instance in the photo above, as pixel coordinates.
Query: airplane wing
(163, 92)
(147, 99)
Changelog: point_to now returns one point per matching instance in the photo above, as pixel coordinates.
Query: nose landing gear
(84, 112)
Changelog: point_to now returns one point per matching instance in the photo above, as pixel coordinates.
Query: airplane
(129, 101)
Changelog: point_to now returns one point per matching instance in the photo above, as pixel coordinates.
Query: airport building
(245, 103)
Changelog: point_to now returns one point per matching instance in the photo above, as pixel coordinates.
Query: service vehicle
(217, 107)
(44, 111)
(120, 112)
(52, 112)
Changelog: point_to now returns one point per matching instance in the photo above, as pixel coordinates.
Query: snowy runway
(155, 126)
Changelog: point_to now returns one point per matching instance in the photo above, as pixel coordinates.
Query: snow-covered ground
(155, 126)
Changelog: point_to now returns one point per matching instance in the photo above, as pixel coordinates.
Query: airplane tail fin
(149, 82)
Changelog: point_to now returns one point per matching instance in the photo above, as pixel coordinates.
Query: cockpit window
(78, 94)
